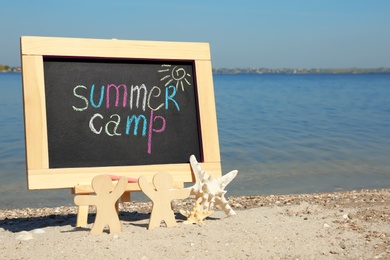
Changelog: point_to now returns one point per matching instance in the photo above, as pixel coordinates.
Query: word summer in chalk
(135, 97)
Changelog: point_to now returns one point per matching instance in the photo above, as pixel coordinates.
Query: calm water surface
(283, 133)
(304, 133)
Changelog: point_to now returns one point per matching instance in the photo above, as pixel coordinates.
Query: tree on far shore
(4, 68)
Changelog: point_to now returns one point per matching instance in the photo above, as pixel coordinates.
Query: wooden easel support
(82, 212)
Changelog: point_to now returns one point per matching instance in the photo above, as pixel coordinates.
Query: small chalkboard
(127, 108)
(120, 112)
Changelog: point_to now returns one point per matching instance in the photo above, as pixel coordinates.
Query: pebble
(24, 235)
(326, 226)
(38, 231)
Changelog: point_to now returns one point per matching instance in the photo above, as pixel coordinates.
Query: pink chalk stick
(129, 180)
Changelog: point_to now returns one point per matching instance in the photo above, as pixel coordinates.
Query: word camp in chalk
(132, 97)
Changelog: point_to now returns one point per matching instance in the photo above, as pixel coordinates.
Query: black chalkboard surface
(113, 112)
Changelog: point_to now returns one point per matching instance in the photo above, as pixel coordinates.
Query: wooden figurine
(161, 194)
(104, 200)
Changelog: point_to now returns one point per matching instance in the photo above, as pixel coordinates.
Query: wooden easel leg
(82, 216)
(126, 196)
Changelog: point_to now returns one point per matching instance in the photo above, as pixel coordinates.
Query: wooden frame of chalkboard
(48, 62)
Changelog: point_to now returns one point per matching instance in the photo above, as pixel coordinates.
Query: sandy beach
(341, 225)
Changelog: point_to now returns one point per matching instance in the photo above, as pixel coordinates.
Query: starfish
(196, 216)
(211, 191)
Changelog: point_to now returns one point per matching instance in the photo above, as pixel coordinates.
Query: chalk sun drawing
(175, 75)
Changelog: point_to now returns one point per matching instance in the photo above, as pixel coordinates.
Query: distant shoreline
(237, 71)
(300, 71)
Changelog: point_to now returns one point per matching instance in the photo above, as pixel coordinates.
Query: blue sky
(246, 33)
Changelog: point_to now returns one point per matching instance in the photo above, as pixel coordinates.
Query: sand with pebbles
(342, 225)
